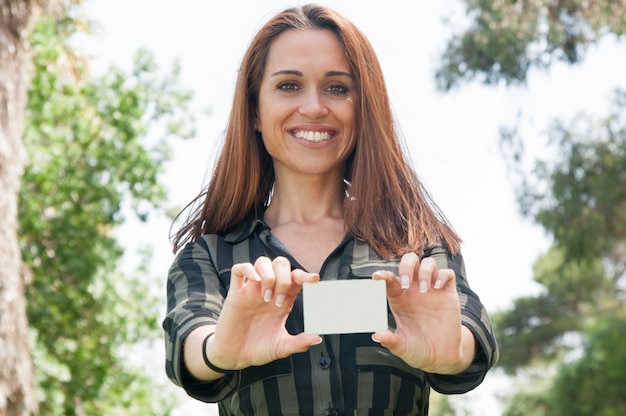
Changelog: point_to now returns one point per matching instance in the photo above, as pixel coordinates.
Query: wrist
(207, 361)
(468, 350)
(461, 361)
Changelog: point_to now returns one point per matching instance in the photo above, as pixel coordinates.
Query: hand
(251, 328)
(425, 304)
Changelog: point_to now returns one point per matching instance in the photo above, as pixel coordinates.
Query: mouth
(313, 136)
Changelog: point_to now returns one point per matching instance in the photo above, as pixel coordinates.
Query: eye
(287, 86)
(337, 88)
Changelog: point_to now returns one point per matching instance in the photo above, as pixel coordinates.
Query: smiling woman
(310, 116)
(306, 112)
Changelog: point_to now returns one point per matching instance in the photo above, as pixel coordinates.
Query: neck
(307, 201)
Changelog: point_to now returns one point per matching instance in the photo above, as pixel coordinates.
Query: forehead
(305, 48)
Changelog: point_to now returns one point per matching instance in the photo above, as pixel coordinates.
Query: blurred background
(513, 115)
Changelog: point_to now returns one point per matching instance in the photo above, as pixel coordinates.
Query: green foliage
(538, 329)
(594, 384)
(587, 185)
(532, 398)
(89, 157)
(579, 198)
(440, 405)
(570, 333)
(506, 38)
(530, 332)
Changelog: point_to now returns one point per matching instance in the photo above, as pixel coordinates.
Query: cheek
(349, 111)
(351, 122)
(270, 117)
(263, 121)
(261, 113)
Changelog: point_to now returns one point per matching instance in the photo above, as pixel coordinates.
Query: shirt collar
(244, 230)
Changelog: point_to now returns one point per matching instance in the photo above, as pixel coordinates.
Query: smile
(313, 136)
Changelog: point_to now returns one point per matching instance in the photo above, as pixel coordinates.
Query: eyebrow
(299, 73)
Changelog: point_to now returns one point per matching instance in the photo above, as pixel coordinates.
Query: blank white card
(345, 306)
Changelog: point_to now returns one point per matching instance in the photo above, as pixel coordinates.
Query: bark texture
(17, 386)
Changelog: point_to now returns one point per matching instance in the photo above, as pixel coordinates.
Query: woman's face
(307, 101)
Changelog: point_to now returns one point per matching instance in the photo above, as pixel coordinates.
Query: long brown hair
(391, 209)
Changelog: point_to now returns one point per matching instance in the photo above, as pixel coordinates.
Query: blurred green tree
(580, 200)
(17, 390)
(506, 38)
(96, 147)
(566, 343)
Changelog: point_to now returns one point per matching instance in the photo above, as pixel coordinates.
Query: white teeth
(313, 136)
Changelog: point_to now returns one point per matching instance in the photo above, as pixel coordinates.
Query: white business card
(344, 306)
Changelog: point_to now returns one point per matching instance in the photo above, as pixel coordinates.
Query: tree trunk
(17, 386)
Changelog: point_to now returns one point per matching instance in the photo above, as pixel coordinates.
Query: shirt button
(325, 363)
(331, 412)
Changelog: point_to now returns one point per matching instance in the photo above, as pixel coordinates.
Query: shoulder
(210, 242)
(445, 258)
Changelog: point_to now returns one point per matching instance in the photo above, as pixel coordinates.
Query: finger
(240, 272)
(264, 268)
(427, 274)
(282, 271)
(391, 282)
(299, 277)
(409, 263)
(444, 276)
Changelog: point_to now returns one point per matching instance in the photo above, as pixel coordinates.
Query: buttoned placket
(325, 359)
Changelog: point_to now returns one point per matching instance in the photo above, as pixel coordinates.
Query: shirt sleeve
(475, 318)
(194, 298)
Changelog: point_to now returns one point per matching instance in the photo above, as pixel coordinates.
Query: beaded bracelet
(206, 359)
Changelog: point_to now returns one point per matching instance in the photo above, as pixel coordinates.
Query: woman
(312, 184)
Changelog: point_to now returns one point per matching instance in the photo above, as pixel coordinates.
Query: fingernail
(268, 295)
(405, 281)
(375, 340)
(423, 286)
(280, 299)
(318, 342)
(256, 277)
(438, 284)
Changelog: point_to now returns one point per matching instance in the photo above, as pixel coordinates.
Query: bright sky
(453, 138)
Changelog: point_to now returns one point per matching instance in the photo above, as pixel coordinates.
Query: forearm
(193, 354)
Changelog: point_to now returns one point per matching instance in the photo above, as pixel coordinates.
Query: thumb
(302, 342)
(386, 338)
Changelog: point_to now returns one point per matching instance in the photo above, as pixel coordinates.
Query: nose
(313, 105)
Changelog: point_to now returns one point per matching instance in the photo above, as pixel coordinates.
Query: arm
(195, 296)
(475, 318)
(435, 313)
(193, 354)
(249, 323)
(250, 330)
